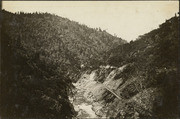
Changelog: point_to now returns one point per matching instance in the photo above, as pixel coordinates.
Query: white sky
(126, 19)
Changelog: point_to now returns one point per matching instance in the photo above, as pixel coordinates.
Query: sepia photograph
(89, 60)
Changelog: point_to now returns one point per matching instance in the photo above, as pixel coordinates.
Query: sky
(125, 19)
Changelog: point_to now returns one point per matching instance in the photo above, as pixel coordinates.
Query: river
(81, 104)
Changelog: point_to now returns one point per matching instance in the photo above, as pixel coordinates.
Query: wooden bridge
(110, 90)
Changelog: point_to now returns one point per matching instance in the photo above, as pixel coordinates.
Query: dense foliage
(40, 55)
(59, 40)
(154, 57)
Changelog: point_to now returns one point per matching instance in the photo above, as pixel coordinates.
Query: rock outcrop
(114, 96)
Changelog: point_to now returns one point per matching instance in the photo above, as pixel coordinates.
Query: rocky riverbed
(103, 93)
(82, 104)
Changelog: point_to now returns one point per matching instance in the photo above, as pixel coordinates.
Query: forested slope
(152, 61)
(58, 40)
(41, 54)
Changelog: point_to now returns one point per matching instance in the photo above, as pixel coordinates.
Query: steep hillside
(159, 43)
(153, 57)
(31, 88)
(41, 54)
(140, 78)
(59, 40)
